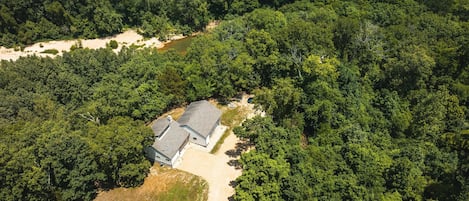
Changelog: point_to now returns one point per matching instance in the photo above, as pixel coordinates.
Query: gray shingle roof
(159, 126)
(169, 143)
(200, 116)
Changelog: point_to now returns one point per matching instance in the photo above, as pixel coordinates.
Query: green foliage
(406, 178)
(218, 68)
(261, 177)
(119, 150)
(66, 159)
(280, 101)
(113, 44)
(372, 93)
(50, 51)
(363, 100)
(155, 26)
(264, 19)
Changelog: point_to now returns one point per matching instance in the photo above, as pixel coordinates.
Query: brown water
(180, 45)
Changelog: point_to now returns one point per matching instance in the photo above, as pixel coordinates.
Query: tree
(396, 111)
(262, 177)
(222, 65)
(173, 84)
(265, 19)
(156, 26)
(263, 48)
(191, 13)
(282, 100)
(344, 31)
(299, 39)
(435, 113)
(70, 165)
(242, 6)
(118, 147)
(404, 177)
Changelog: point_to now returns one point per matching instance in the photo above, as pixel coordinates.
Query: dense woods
(23, 22)
(365, 100)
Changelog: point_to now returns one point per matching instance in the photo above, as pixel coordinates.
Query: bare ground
(163, 183)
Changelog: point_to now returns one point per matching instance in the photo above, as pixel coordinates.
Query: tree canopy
(363, 100)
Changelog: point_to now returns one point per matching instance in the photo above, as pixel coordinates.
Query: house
(196, 125)
(170, 140)
(200, 119)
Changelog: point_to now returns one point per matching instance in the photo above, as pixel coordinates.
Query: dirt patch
(175, 113)
(212, 25)
(163, 183)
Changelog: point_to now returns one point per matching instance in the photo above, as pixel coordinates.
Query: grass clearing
(163, 184)
(229, 118)
(176, 113)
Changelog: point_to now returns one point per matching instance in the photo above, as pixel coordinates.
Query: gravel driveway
(219, 169)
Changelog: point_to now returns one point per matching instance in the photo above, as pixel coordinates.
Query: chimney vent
(170, 118)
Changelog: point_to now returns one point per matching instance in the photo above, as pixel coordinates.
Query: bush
(50, 51)
(113, 44)
(77, 45)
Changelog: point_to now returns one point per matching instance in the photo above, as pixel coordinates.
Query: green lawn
(229, 118)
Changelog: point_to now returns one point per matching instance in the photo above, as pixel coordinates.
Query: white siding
(195, 137)
(173, 161)
(207, 141)
(156, 156)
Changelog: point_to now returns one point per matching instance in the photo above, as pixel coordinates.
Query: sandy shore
(127, 38)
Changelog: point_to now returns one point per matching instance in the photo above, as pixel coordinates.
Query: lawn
(230, 118)
(163, 184)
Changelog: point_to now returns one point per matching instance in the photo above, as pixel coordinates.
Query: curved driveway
(217, 169)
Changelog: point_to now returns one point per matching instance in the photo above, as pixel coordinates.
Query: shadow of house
(170, 140)
(200, 119)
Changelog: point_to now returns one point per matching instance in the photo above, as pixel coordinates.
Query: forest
(23, 22)
(365, 100)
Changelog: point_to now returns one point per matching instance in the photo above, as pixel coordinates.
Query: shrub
(113, 44)
(50, 51)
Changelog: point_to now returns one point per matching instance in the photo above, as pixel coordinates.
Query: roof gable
(201, 116)
(169, 143)
(160, 126)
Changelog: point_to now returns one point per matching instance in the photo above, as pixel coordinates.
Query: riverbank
(127, 38)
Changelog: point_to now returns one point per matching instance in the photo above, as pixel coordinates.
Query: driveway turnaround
(219, 169)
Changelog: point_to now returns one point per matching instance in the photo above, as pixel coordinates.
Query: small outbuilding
(200, 119)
